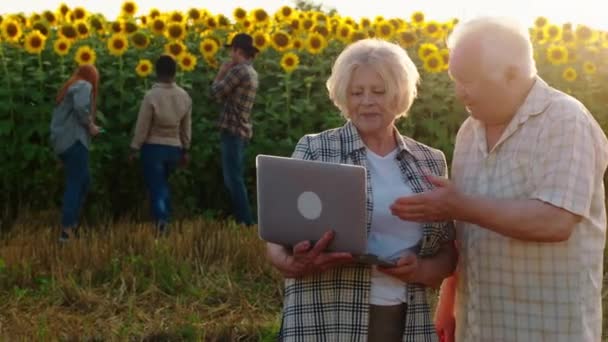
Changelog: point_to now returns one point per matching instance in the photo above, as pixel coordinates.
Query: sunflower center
(12, 30)
(286, 11)
(159, 25)
(144, 67)
(418, 17)
(433, 62)
(431, 29)
(240, 13)
(118, 44)
(557, 54)
(261, 15)
(129, 8)
(290, 62)
(260, 41)
(175, 32)
(69, 32)
(315, 43)
(194, 14)
(79, 14)
(85, 56)
(344, 32)
(385, 29)
(83, 29)
(187, 62)
(308, 24)
(175, 49)
(281, 40)
(208, 47)
(63, 46)
(36, 42)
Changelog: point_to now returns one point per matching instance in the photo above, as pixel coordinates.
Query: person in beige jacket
(162, 137)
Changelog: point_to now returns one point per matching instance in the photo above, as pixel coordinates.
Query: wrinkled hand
(406, 270)
(430, 206)
(305, 260)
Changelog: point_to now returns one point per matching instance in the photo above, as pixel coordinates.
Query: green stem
(121, 81)
(40, 72)
(288, 93)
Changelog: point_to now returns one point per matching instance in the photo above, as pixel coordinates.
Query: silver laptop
(299, 200)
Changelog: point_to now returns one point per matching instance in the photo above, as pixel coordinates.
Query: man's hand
(439, 204)
(94, 130)
(185, 160)
(305, 260)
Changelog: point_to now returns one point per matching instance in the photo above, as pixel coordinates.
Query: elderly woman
(72, 127)
(328, 296)
(162, 136)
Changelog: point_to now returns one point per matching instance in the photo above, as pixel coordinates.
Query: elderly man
(527, 194)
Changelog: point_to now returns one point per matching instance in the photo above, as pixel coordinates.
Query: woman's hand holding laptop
(306, 258)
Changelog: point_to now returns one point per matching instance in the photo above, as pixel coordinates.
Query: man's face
(485, 97)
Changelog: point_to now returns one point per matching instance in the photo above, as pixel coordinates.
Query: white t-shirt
(389, 236)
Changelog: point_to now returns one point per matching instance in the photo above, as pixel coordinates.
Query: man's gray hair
(503, 41)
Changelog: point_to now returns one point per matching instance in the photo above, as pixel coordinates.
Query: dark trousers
(233, 154)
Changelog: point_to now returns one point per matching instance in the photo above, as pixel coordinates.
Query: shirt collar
(163, 85)
(351, 135)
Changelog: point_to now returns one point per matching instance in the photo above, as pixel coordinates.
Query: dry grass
(206, 281)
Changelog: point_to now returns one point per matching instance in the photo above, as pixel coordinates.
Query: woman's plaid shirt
(333, 306)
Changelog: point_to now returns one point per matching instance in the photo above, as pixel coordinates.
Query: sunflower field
(39, 51)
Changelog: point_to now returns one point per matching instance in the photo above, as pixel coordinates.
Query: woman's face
(368, 105)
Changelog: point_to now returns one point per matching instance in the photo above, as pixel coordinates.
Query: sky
(559, 11)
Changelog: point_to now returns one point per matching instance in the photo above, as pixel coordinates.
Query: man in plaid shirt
(527, 194)
(235, 86)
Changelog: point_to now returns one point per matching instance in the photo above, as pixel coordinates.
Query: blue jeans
(233, 153)
(76, 164)
(158, 161)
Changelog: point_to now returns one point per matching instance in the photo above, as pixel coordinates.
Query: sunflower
(176, 31)
(187, 61)
(432, 29)
(540, 22)
(153, 13)
(570, 74)
(223, 21)
(128, 9)
(50, 17)
(97, 23)
(426, 49)
(62, 46)
(584, 34)
(144, 68)
(260, 17)
(344, 32)
(211, 22)
(239, 14)
(365, 23)
(553, 32)
(247, 25)
(407, 38)
(140, 40)
(285, 12)
(260, 40)
(85, 55)
(177, 16)
(68, 31)
(130, 26)
(208, 47)
(315, 43)
(308, 24)
(158, 26)
(11, 30)
(590, 68)
(384, 30)
(295, 24)
(175, 49)
(117, 27)
(568, 37)
(417, 18)
(297, 43)
(538, 35)
(557, 54)
(63, 9)
(79, 13)
(42, 27)
(322, 30)
(194, 14)
(118, 44)
(280, 41)
(290, 62)
(34, 42)
(433, 62)
(82, 28)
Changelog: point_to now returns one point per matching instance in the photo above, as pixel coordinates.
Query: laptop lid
(300, 200)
